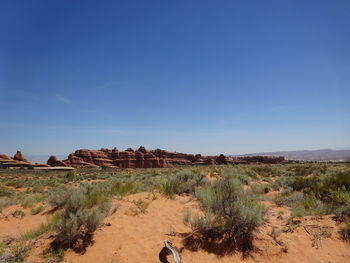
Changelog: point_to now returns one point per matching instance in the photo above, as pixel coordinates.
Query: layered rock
(17, 161)
(52, 161)
(142, 158)
(19, 157)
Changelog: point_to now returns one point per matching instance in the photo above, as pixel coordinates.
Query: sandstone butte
(140, 158)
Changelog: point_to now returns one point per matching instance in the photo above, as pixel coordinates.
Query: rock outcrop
(142, 158)
(52, 161)
(19, 157)
(17, 161)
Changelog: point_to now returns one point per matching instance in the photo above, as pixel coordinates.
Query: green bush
(229, 213)
(185, 181)
(345, 232)
(30, 200)
(77, 223)
(18, 214)
(58, 197)
(5, 192)
(5, 202)
(37, 210)
(69, 176)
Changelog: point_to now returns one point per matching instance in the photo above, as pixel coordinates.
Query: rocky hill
(142, 158)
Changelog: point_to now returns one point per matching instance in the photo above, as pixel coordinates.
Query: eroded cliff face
(142, 158)
(17, 161)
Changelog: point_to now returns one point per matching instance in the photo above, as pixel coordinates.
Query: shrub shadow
(217, 245)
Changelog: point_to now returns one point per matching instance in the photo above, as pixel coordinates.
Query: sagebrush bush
(77, 223)
(5, 192)
(5, 202)
(345, 232)
(58, 197)
(37, 210)
(229, 213)
(185, 181)
(239, 174)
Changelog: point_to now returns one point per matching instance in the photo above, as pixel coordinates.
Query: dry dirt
(11, 226)
(132, 236)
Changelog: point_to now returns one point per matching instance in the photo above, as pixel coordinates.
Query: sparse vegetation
(230, 201)
(229, 213)
(345, 232)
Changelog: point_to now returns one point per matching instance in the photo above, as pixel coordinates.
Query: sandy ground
(139, 237)
(11, 226)
(132, 236)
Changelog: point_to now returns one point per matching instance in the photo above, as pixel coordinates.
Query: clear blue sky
(193, 76)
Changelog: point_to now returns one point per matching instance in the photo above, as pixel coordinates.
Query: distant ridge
(309, 155)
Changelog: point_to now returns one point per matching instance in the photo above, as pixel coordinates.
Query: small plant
(37, 210)
(169, 188)
(30, 200)
(280, 214)
(291, 225)
(298, 211)
(5, 202)
(69, 176)
(141, 205)
(18, 214)
(345, 232)
(5, 192)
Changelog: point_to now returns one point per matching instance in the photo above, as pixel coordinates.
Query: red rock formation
(52, 161)
(142, 158)
(19, 157)
(17, 161)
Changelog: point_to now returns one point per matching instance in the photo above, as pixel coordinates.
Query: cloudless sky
(187, 75)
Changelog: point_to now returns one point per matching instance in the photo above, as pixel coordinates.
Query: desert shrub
(345, 232)
(239, 174)
(266, 170)
(16, 183)
(121, 189)
(96, 194)
(298, 210)
(260, 188)
(18, 214)
(37, 210)
(30, 200)
(5, 202)
(77, 223)
(229, 213)
(170, 188)
(141, 205)
(58, 197)
(69, 176)
(288, 198)
(5, 192)
(185, 181)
